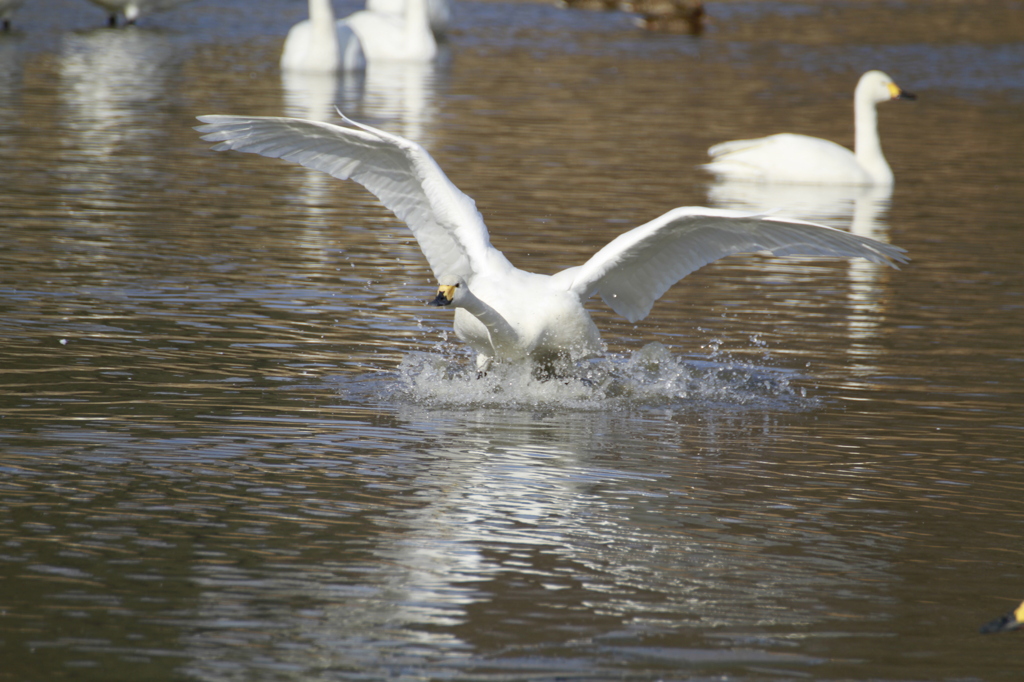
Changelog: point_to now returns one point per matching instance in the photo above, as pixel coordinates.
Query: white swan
(322, 45)
(392, 38)
(811, 160)
(132, 9)
(502, 311)
(313, 45)
(439, 12)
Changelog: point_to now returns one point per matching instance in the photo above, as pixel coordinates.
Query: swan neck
(416, 19)
(501, 332)
(321, 15)
(322, 51)
(867, 145)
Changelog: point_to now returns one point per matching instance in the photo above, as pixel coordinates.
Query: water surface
(236, 445)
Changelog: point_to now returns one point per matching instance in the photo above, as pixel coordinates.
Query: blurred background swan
(321, 44)
(788, 157)
(439, 13)
(313, 45)
(7, 8)
(131, 10)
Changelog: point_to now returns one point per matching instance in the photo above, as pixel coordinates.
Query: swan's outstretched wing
(400, 173)
(636, 268)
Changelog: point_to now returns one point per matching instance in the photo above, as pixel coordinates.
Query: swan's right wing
(637, 267)
(400, 173)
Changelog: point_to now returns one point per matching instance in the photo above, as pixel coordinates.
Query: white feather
(503, 311)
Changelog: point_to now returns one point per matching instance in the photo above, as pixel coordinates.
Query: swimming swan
(312, 45)
(439, 13)
(390, 37)
(321, 44)
(501, 311)
(811, 160)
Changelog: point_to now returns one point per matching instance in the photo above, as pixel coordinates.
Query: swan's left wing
(400, 173)
(636, 268)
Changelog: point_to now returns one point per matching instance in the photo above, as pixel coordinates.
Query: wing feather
(400, 173)
(633, 271)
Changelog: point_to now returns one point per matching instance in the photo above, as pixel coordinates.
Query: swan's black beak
(898, 93)
(1011, 621)
(445, 294)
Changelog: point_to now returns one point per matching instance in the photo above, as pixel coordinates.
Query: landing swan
(132, 9)
(811, 160)
(501, 311)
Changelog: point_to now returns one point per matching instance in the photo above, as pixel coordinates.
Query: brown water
(235, 445)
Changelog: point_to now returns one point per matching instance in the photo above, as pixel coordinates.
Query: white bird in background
(501, 311)
(321, 44)
(7, 8)
(132, 9)
(790, 158)
(439, 13)
(312, 45)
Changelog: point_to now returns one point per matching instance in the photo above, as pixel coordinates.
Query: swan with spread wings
(503, 312)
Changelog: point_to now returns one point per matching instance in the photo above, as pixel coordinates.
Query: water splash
(652, 377)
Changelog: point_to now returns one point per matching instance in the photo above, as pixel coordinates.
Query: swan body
(322, 45)
(319, 45)
(132, 9)
(439, 13)
(391, 37)
(501, 311)
(791, 158)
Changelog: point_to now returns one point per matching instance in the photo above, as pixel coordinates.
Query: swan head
(879, 87)
(445, 294)
(1014, 620)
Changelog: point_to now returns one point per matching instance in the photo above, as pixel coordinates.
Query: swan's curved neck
(322, 22)
(323, 36)
(867, 146)
(321, 12)
(503, 336)
(417, 21)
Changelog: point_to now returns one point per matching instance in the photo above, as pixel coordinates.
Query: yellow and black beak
(445, 294)
(897, 93)
(1014, 620)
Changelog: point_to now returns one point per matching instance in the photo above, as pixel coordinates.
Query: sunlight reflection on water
(235, 443)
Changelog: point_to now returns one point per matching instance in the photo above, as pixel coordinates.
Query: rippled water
(236, 445)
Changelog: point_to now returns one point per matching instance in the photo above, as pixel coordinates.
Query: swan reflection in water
(860, 209)
(113, 86)
(401, 94)
(519, 518)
